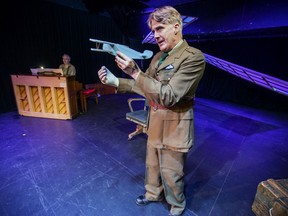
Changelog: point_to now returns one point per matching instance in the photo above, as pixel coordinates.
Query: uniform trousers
(165, 177)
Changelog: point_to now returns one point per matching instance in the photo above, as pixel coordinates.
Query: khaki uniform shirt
(171, 85)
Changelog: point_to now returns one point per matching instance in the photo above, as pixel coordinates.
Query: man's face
(165, 35)
(66, 59)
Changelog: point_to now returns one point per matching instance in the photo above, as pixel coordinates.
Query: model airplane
(112, 48)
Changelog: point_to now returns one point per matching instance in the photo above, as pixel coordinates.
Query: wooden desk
(46, 96)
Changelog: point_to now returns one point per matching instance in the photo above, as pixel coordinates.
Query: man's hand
(107, 77)
(127, 65)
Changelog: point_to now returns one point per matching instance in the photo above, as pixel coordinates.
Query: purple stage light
(264, 80)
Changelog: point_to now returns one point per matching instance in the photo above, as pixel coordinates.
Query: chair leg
(85, 103)
(96, 98)
(96, 92)
(82, 102)
(139, 129)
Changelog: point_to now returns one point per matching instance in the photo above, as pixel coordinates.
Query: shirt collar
(177, 45)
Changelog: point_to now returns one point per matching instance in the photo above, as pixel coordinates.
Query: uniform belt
(157, 106)
(182, 106)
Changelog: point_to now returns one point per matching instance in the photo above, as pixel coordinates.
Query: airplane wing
(100, 41)
(112, 48)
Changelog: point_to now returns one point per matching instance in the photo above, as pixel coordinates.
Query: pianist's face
(66, 59)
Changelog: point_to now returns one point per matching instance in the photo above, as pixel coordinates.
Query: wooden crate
(46, 96)
(271, 198)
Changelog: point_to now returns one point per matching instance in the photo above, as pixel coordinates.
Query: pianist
(67, 68)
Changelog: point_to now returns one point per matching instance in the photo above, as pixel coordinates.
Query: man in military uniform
(169, 84)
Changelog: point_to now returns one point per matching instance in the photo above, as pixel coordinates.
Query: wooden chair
(89, 92)
(93, 91)
(138, 116)
(103, 89)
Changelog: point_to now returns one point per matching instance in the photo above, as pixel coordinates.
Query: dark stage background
(37, 33)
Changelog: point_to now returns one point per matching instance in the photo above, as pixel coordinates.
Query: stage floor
(86, 166)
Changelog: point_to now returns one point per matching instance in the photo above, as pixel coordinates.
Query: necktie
(162, 58)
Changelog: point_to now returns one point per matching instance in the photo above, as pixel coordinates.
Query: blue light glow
(264, 80)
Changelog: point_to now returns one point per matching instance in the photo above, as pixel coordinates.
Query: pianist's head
(66, 58)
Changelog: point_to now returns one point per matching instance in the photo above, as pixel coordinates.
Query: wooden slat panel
(45, 96)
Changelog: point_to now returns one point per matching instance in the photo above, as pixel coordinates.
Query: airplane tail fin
(147, 54)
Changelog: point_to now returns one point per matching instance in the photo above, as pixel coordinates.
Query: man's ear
(176, 28)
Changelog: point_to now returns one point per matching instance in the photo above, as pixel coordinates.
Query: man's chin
(162, 47)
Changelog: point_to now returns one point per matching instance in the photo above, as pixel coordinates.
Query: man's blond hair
(165, 15)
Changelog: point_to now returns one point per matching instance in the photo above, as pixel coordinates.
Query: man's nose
(156, 35)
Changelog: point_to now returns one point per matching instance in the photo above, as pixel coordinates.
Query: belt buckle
(155, 107)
